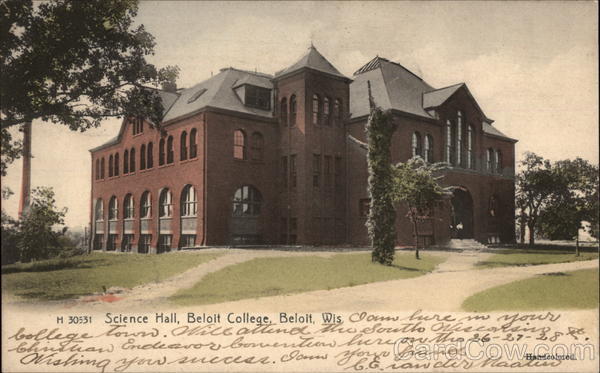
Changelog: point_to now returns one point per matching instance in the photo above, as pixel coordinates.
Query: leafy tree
(416, 185)
(573, 201)
(534, 187)
(382, 215)
(74, 63)
(10, 252)
(37, 238)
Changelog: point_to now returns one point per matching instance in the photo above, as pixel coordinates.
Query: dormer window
(258, 97)
(138, 126)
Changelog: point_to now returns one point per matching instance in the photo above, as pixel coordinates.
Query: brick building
(249, 158)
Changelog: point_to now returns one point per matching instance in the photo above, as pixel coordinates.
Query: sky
(531, 66)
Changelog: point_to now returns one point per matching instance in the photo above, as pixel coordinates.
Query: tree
(37, 238)
(573, 201)
(9, 226)
(416, 185)
(382, 215)
(74, 63)
(534, 186)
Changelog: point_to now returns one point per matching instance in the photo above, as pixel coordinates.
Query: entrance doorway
(462, 214)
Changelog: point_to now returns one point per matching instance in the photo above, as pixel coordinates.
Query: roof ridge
(450, 86)
(257, 73)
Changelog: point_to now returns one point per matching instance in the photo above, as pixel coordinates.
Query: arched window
(102, 168)
(99, 212)
(316, 103)
(132, 160)
(183, 150)
(283, 114)
(239, 144)
(493, 206)
(459, 127)
(170, 152)
(165, 204)
(498, 161)
(188, 201)
(247, 201)
(126, 162)
(293, 108)
(490, 160)
(257, 146)
(326, 110)
(470, 163)
(193, 145)
(428, 148)
(150, 156)
(337, 112)
(416, 145)
(117, 164)
(110, 165)
(161, 152)
(448, 142)
(146, 205)
(143, 157)
(128, 209)
(97, 169)
(113, 209)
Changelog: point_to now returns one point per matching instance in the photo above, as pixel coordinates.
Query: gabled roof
(493, 131)
(437, 97)
(312, 60)
(392, 85)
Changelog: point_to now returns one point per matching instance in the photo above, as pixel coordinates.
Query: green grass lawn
(274, 276)
(80, 275)
(568, 290)
(519, 257)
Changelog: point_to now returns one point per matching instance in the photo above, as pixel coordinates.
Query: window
(493, 206)
(247, 201)
(283, 114)
(239, 144)
(193, 146)
(161, 152)
(110, 165)
(113, 209)
(187, 240)
(97, 169)
(99, 211)
(337, 113)
(143, 157)
(364, 206)
(126, 162)
(490, 160)
(128, 210)
(196, 95)
(183, 150)
(132, 160)
(326, 111)
(144, 245)
(448, 142)
(316, 170)
(126, 244)
(327, 171)
(146, 205)
(257, 146)
(293, 171)
(188, 201)
(416, 145)
(459, 122)
(165, 204)
(428, 148)
(338, 172)
(293, 107)
(258, 97)
(102, 168)
(138, 126)
(98, 241)
(470, 163)
(150, 156)
(111, 244)
(164, 243)
(316, 103)
(170, 154)
(498, 161)
(284, 171)
(117, 164)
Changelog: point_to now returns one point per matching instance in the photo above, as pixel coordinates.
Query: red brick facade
(264, 173)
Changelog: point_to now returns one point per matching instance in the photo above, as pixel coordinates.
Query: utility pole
(26, 175)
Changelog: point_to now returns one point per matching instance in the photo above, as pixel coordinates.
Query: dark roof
(392, 85)
(488, 129)
(439, 96)
(312, 60)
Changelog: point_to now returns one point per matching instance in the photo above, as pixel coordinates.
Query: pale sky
(532, 67)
